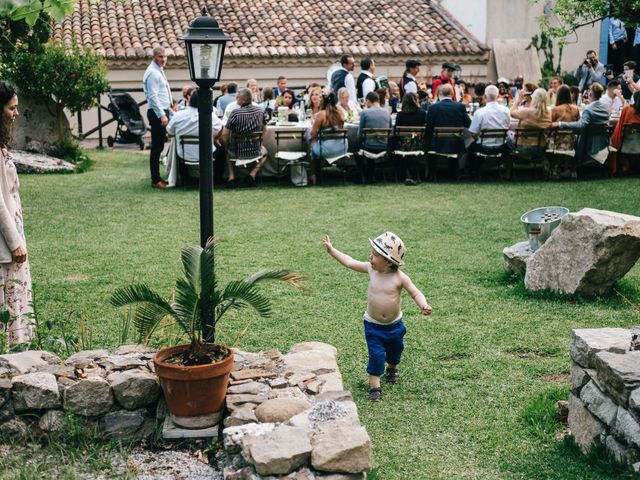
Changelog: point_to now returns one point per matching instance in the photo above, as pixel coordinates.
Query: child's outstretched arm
(416, 294)
(343, 258)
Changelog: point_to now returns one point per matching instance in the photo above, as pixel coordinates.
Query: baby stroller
(131, 126)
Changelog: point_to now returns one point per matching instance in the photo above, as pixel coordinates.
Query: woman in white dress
(15, 277)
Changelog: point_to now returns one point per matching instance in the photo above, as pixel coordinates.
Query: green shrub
(69, 150)
(72, 77)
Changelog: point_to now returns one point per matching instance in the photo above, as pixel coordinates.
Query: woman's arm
(317, 124)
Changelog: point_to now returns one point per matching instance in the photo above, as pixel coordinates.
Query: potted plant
(194, 376)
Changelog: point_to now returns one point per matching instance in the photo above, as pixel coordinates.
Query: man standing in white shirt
(158, 93)
(366, 83)
(490, 117)
(342, 77)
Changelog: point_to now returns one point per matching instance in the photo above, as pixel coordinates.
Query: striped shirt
(244, 120)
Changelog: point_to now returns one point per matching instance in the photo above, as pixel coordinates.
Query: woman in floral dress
(15, 278)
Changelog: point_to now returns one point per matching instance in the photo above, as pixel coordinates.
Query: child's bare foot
(375, 394)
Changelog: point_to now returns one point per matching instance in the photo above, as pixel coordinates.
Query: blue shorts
(385, 344)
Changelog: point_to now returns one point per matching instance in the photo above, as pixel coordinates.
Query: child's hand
(326, 243)
(426, 310)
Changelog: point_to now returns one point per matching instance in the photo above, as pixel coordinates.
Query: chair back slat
(440, 133)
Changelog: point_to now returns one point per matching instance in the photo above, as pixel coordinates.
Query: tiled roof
(129, 29)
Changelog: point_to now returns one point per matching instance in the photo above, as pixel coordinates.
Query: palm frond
(186, 305)
(272, 274)
(191, 264)
(240, 293)
(151, 307)
(207, 268)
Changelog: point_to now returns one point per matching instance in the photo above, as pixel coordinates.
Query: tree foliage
(31, 10)
(566, 16)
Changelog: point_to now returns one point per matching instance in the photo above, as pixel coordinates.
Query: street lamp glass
(206, 61)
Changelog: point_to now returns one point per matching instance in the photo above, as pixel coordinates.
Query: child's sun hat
(390, 246)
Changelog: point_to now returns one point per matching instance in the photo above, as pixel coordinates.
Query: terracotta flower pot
(195, 390)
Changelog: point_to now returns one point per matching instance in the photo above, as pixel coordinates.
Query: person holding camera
(590, 71)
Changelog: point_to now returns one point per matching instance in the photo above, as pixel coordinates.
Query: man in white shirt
(342, 77)
(366, 83)
(613, 99)
(492, 116)
(185, 122)
(156, 89)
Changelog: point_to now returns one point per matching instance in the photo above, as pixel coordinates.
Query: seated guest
(225, 100)
(328, 119)
(528, 89)
(223, 92)
(289, 101)
(478, 93)
(315, 100)
(628, 76)
(575, 95)
(504, 94)
(423, 97)
(268, 102)
(629, 114)
(534, 116)
(463, 92)
(281, 87)
(383, 94)
(185, 122)
(411, 115)
(184, 101)
(394, 96)
(350, 109)
(252, 85)
(565, 110)
(554, 84)
(518, 83)
(612, 98)
(446, 113)
(248, 118)
(594, 115)
(492, 116)
(373, 116)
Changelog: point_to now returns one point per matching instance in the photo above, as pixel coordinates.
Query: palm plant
(198, 304)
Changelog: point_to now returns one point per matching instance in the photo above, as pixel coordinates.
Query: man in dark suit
(447, 113)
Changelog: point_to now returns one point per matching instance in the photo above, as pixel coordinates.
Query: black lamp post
(205, 43)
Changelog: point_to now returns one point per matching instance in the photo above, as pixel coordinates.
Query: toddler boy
(383, 326)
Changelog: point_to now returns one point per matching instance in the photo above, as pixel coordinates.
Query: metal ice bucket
(539, 223)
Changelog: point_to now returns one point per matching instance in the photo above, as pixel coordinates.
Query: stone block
(7, 412)
(85, 358)
(52, 421)
(619, 451)
(233, 437)
(627, 427)
(253, 373)
(342, 476)
(280, 451)
(618, 374)
(241, 416)
(310, 346)
(587, 253)
(278, 410)
(140, 349)
(634, 400)
(598, 403)
(586, 342)
(134, 389)
(57, 370)
(331, 382)
(315, 361)
(5, 390)
(34, 391)
(578, 377)
(341, 447)
(22, 362)
(586, 429)
(123, 362)
(250, 388)
(16, 429)
(121, 424)
(515, 258)
(89, 397)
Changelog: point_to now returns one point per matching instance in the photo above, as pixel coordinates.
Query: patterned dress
(15, 278)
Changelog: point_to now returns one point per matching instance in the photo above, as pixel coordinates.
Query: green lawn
(470, 372)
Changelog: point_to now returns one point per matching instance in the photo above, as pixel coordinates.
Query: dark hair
(478, 89)
(193, 99)
(613, 83)
(590, 51)
(365, 63)
(636, 102)
(7, 92)
(333, 115)
(410, 102)
(373, 97)
(293, 97)
(563, 95)
(631, 64)
(267, 93)
(344, 59)
(232, 87)
(281, 77)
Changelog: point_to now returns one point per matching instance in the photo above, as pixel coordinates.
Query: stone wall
(288, 416)
(604, 403)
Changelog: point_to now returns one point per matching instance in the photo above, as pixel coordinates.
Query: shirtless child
(383, 326)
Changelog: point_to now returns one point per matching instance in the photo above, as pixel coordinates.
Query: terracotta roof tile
(120, 29)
